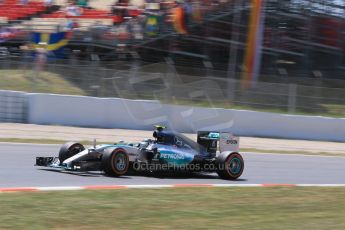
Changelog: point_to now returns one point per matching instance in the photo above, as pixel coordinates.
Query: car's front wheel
(69, 149)
(115, 162)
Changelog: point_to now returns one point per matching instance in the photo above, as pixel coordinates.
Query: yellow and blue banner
(53, 41)
(252, 60)
(152, 27)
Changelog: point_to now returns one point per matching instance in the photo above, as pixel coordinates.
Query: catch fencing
(166, 83)
(13, 106)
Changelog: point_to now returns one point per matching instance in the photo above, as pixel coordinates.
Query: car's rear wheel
(115, 162)
(230, 165)
(69, 149)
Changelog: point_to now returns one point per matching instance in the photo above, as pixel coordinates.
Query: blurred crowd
(137, 19)
(145, 19)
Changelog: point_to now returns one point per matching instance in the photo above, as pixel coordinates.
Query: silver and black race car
(167, 151)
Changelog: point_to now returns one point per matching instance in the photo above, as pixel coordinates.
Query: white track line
(149, 186)
(62, 188)
(155, 186)
(296, 154)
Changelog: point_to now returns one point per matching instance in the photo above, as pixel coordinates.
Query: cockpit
(163, 137)
(174, 139)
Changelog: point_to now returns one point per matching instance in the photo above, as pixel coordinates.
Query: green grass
(289, 152)
(32, 141)
(180, 208)
(45, 141)
(37, 141)
(44, 82)
(335, 110)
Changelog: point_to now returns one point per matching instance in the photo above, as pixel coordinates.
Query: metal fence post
(292, 95)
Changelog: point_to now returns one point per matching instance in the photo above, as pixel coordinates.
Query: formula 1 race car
(168, 151)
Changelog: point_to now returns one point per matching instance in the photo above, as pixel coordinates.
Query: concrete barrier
(141, 114)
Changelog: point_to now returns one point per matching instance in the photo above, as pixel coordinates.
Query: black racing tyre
(115, 162)
(69, 149)
(230, 165)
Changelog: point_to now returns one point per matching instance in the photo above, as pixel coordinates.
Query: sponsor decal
(174, 156)
(231, 142)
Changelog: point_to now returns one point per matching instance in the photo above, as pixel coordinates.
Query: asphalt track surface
(17, 170)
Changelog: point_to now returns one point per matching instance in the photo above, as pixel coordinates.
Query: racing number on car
(231, 142)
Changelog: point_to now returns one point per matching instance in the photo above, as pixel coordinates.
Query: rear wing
(229, 142)
(226, 141)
